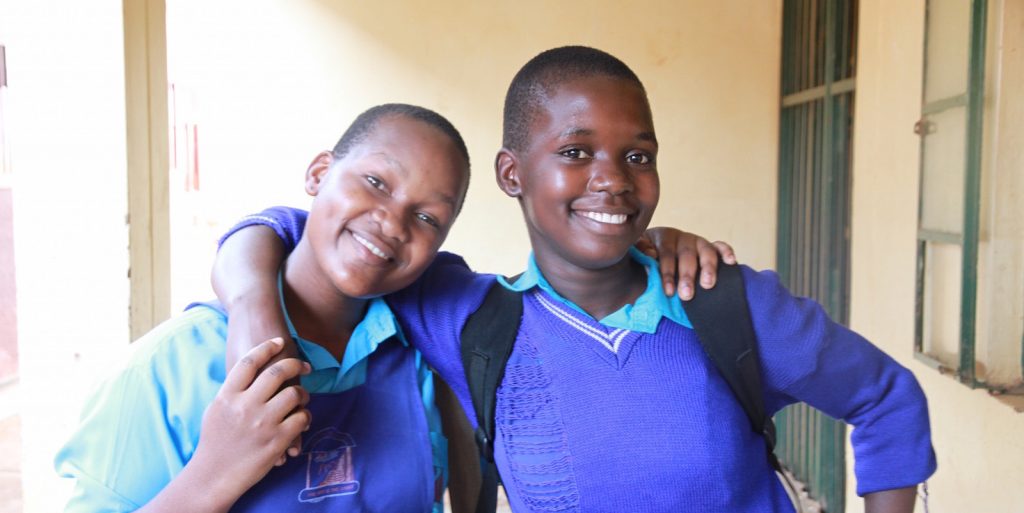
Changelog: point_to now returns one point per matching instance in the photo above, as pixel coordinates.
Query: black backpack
(720, 317)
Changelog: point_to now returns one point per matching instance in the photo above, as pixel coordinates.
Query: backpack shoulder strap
(487, 340)
(721, 318)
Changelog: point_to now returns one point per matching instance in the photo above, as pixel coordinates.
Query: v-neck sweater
(595, 418)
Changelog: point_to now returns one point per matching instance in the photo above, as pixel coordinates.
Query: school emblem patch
(329, 470)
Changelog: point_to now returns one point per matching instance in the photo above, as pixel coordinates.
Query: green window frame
(953, 202)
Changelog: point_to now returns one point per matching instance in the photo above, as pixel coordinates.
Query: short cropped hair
(539, 77)
(364, 124)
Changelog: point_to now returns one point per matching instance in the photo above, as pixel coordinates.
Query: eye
(575, 153)
(639, 158)
(428, 219)
(375, 182)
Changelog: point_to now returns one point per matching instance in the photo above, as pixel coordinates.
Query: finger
(295, 424)
(295, 448)
(667, 266)
(647, 247)
(281, 460)
(271, 379)
(686, 266)
(724, 249)
(708, 263)
(291, 428)
(245, 371)
(287, 400)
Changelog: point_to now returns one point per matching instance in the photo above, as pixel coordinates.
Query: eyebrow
(446, 198)
(575, 131)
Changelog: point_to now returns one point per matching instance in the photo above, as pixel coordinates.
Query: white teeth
(369, 245)
(601, 217)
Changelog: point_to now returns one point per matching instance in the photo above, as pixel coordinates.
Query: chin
(603, 258)
(350, 284)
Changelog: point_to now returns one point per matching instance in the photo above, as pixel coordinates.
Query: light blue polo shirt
(141, 425)
(643, 315)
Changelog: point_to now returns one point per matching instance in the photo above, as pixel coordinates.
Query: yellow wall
(275, 82)
(977, 439)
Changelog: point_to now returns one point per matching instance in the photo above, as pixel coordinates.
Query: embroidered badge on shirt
(329, 469)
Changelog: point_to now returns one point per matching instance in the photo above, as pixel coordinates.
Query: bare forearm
(245, 280)
(899, 500)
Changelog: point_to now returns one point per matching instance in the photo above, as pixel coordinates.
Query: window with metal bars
(819, 50)
(970, 260)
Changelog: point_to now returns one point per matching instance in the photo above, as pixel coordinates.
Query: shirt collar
(377, 325)
(643, 316)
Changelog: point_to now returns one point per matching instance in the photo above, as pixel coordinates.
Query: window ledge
(1015, 401)
(1014, 397)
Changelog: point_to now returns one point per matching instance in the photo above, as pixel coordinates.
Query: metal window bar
(818, 70)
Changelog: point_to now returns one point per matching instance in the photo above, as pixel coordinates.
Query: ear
(506, 172)
(316, 173)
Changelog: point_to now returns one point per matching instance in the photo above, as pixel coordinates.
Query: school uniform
(627, 413)
(375, 443)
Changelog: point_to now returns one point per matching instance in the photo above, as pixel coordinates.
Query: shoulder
(197, 333)
(793, 333)
(448, 282)
(143, 417)
(770, 302)
(762, 284)
(179, 358)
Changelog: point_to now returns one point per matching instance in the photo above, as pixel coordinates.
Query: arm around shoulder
(245, 280)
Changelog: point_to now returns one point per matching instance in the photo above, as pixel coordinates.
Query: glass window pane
(942, 176)
(948, 40)
(941, 314)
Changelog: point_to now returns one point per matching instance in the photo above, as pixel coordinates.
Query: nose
(392, 223)
(611, 177)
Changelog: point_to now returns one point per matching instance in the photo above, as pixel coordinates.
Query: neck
(599, 292)
(318, 311)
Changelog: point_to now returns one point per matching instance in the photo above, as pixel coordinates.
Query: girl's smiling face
(382, 211)
(587, 176)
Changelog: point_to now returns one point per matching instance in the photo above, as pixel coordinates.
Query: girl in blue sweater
(608, 402)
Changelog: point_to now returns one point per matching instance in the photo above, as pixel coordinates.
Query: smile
(370, 246)
(601, 217)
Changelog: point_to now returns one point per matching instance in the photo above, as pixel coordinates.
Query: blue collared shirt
(169, 378)
(643, 315)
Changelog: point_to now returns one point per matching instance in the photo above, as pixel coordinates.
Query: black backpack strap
(487, 340)
(721, 318)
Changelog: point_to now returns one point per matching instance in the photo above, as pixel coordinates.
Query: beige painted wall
(978, 440)
(272, 83)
